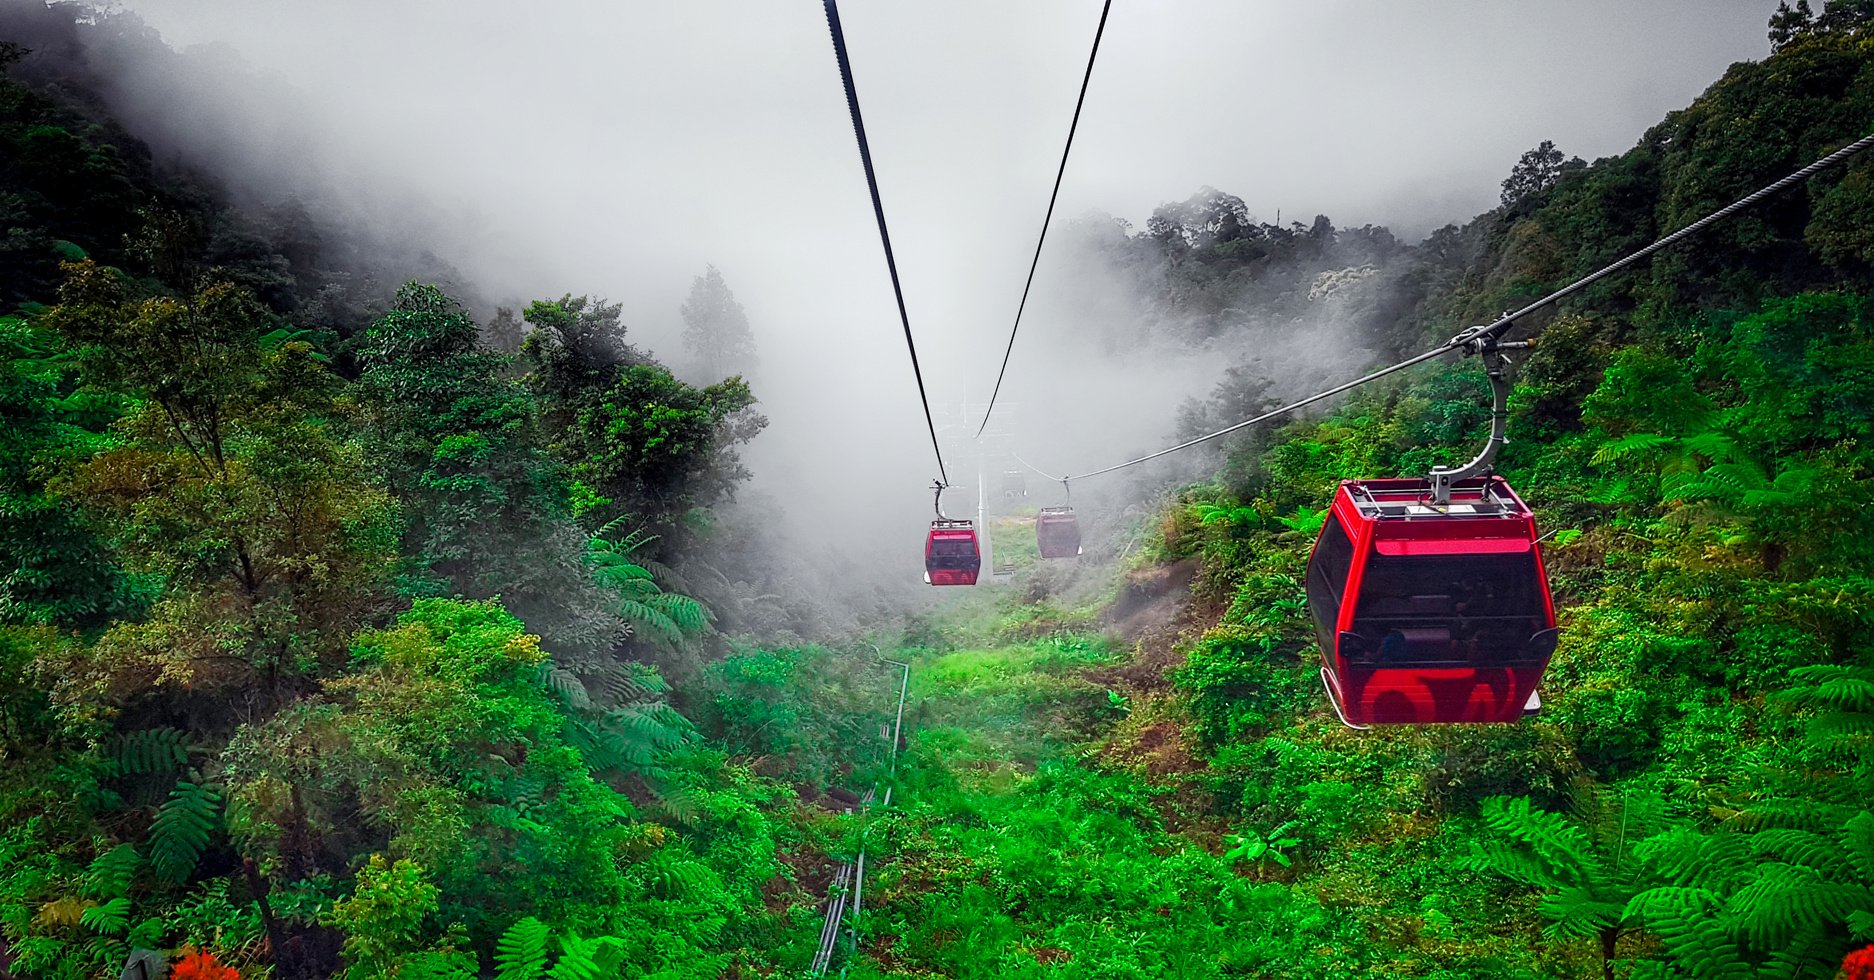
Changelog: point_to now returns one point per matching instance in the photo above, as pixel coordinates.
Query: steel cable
(1048, 219)
(1491, 331)
(884, 235)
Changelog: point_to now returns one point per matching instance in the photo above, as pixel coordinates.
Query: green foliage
(382, 918)
(109, 874)
(1255, 846)
(665, 618)
(182, 829)
(522, 952)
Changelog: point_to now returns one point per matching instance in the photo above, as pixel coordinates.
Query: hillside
(347, 632)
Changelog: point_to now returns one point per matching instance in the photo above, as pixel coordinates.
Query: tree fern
(109, 874)
(108, 919)
(182, 829)
(1785, 898)
(1812, 952)
(650, 612)
(587, 959)
(521, 953)
(148, 751)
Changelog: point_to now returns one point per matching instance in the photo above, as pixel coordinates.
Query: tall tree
(639, 442)
(715, 329)
(485, 508)
(231, 479)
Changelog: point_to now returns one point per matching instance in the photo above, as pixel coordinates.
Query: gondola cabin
(1057, 532)
(1014, 484)
(951, 556)
(1430, 614)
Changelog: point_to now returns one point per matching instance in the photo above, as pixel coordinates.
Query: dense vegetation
(343, 635)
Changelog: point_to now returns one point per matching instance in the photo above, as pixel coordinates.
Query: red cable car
(1429, 598)
(951, 556)
(1428, 613)
(1057, 532)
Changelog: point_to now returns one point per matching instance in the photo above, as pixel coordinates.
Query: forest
(347, 632)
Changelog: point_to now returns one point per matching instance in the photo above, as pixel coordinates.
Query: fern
(1639, 443)
(149, 751)
(565, 686)
(1785, 898)
(63, 913)
(1565, 855)
(182, 830)
(521, 953)
(1811, 953)
(587, 959)
(109, 919)
(109, 874)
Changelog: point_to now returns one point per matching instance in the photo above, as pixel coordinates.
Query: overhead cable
(1044, 474)
(1049, 218)
(1471, 338)
(884, 235)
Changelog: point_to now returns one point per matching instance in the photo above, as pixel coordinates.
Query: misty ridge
(462, 489)
(1202, 317)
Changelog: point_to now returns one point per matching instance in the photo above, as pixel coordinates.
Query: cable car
(951, 556)
(1014, 484)
(1057, 532)
(951, 553)
(1428, 612)
(1428, 595)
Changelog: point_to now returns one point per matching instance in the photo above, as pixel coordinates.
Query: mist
(617, 149)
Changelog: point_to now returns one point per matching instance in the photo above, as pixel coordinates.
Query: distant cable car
(1429, 597)
(951, 553)
(1014, 484)
(1057, 532)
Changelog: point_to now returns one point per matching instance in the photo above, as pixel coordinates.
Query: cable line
(1477, 338)
(878, 209)
(1503, 324)
(1045, 221)
(1044, 474)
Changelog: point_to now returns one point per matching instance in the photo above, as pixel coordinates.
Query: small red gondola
(951, 556)
(1057, 532)
(1429, 612)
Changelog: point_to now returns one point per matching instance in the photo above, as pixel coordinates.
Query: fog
(617, 148)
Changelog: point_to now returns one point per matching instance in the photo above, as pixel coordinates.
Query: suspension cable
(1473, 338)
(1503, 324)
(1044, 474)
(1045, 221)
(878, 209)
(1264, 417)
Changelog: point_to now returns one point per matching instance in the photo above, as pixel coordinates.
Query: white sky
(616, 147)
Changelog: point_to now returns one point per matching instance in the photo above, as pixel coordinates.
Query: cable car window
(1418, 609)
(1327, 577)
(953, 552)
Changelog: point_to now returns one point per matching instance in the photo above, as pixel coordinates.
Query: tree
(53, 570)
(639, 441)
(458, 444)
(1788, 24)
(1589, 872)
(715, 330)
(445, 747)
(230, 479)
(1534, 174)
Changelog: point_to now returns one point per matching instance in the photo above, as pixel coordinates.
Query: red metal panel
(1452, 546)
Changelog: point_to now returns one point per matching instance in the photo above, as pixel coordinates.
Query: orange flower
(195, 965)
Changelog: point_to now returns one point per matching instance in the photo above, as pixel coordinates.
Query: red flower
(1859, 965)
(201, 966)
